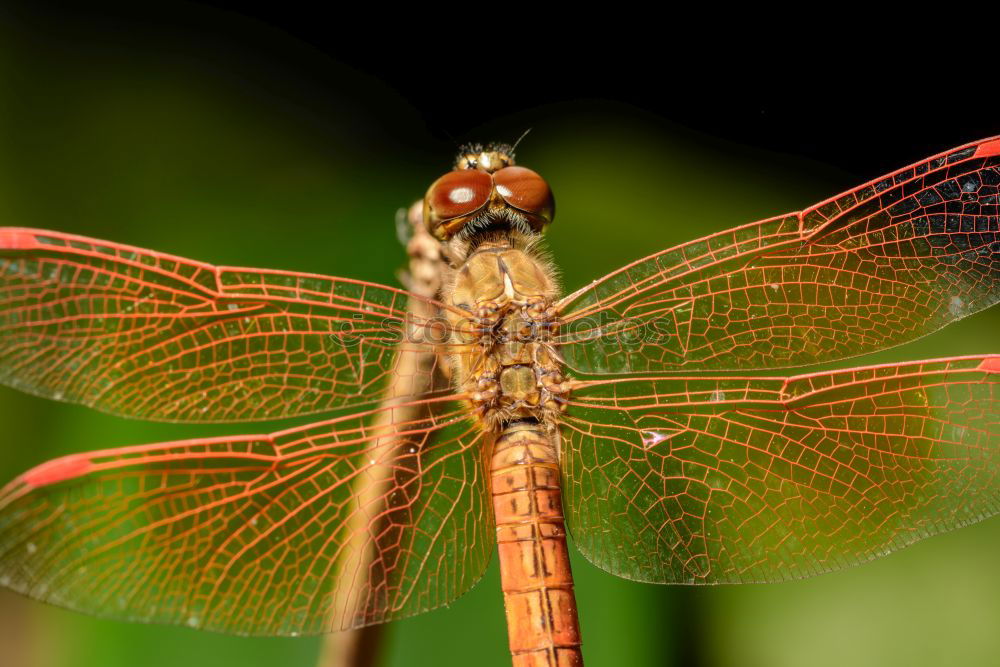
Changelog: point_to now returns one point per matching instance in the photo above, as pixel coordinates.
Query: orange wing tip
(990, 364)
(17, 239)
(989, 149)
(58, 470)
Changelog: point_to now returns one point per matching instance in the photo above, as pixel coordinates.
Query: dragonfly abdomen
(537, 583)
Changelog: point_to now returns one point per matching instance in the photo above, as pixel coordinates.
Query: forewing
(685, 480)
(138, 333)
(359, 520)
(877, 266)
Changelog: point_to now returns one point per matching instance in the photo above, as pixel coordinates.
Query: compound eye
(525, 190)
(458, 193)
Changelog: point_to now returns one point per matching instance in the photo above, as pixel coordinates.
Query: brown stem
(360, 647)
(352, 648)
(15, 632)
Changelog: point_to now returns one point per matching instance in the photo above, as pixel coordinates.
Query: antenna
(523, 135)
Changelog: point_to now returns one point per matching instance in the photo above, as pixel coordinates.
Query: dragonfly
(640, 413)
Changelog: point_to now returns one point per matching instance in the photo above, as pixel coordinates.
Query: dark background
(284, 136)
(847, 91)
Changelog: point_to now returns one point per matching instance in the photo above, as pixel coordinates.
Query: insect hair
(505, 218)
(492, 147)
(462, 246)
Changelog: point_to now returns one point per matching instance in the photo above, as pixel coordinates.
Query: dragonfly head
(487, 191)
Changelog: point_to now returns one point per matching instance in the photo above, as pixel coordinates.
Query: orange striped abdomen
(537, 583)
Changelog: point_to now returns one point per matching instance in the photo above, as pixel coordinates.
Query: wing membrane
(142, 334)
(358, 520)
(877, 266)
(729, 480)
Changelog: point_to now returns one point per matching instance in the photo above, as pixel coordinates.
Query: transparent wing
(728, 480)
(877, 266)
(340, 524)
(142, 334)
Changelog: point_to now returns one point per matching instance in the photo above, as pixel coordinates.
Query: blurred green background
(205, 148)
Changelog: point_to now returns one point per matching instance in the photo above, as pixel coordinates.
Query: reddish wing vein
(729, 480)
(259, 535)
(143, 334)
(877, 266)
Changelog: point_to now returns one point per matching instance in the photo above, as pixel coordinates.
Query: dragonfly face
(487, 191)
(630, 412)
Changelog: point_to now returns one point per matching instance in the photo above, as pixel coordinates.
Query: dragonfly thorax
(506, 358)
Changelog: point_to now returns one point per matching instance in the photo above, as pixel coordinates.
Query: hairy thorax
(504, 356)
